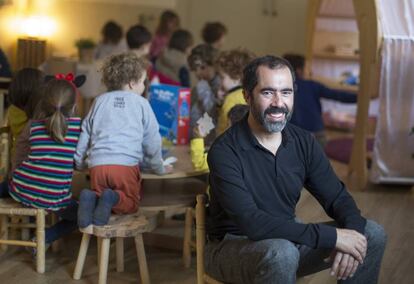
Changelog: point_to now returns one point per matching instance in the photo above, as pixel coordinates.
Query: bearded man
(258, 169)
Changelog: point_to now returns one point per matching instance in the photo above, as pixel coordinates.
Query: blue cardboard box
(171, 105)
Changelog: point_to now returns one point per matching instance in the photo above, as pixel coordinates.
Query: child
(24, 94)
(230, 65)
(169, 23)
(139, 40)
(214, 34)
(307, 100)
(44, 179)
(198, 154)
(173, 60)
(119, 133)
(112, 41)
(204, 94)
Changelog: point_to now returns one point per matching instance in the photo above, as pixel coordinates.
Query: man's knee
(376, 235)
(279, 255)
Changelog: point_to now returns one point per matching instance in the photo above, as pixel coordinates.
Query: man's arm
(227, 186)
(324, 185)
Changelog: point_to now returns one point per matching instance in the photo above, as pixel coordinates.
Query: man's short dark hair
(250, 80)
(212, 32)
(137, 36)
(237, 113)
(181, 40)
(296, 60)
(202, 55)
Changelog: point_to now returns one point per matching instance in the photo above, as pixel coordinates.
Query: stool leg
(40, 238)
(187, 238)
(119, 254)
(142, 260)
(4, 233)
(98, 245)
(103, 262)
(77, 274)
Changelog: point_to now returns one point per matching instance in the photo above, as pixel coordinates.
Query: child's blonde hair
(122, 69)
(57, 103)
(232, 62)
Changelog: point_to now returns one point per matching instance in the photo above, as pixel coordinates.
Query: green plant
(85, 43)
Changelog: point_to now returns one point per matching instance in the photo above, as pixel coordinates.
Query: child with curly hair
(119, 133)
(230, 65)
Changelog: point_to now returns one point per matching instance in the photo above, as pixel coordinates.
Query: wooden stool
(119, 227)
(10, 208)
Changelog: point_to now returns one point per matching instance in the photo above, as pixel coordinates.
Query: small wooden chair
(119, 227)
(14, 216)
(200, 211)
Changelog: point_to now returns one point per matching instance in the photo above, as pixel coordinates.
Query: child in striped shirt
(44, 179)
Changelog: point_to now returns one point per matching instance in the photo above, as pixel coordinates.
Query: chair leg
(142, 260)
(25, 231)
(4, 230)
(103, 262)
(40, 238)
(77, 274)
(119, 254)
(187, 238)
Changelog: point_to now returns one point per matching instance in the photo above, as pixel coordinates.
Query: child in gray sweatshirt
(119, 133)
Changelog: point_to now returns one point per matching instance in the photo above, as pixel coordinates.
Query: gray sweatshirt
(120, 129)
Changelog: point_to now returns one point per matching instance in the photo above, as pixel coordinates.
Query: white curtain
(393, 159)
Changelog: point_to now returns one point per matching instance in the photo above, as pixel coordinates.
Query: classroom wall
(248, 26)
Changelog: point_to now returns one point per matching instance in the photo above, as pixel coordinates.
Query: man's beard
(271, 126)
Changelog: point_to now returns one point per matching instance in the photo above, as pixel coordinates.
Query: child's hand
(197, 132)
(168, 169)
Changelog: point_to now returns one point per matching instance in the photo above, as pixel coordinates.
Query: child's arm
(22, 149)
(198, 156)
(151, 144)
(83, 142)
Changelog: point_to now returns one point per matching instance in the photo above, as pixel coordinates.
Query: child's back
(121, 127)
(119, 133)
(44, 179)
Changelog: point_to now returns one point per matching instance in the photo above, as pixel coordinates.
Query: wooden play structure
(340, 49)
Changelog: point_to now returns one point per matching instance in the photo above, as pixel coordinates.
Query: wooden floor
(391, 206)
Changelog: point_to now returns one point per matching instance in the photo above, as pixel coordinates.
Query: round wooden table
(183, 168)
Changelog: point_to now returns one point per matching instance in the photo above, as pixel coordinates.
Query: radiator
(31, 52)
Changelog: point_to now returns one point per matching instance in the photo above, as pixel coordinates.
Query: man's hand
(344, 265)
(351, 242)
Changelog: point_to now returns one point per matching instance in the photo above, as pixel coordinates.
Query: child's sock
(108, 199)
(87, 204)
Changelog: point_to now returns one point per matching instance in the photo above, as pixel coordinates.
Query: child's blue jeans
(66, 225)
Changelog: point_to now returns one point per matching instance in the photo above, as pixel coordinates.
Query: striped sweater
(44, 179)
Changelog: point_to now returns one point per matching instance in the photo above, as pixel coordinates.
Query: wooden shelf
(333, 56)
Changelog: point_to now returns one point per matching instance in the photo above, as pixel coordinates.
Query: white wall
(247, 25)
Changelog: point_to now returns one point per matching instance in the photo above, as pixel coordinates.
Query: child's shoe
(87, 204)
(33, 250)
(108, 199)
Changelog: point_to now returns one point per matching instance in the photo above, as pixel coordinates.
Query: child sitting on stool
(119, 133)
